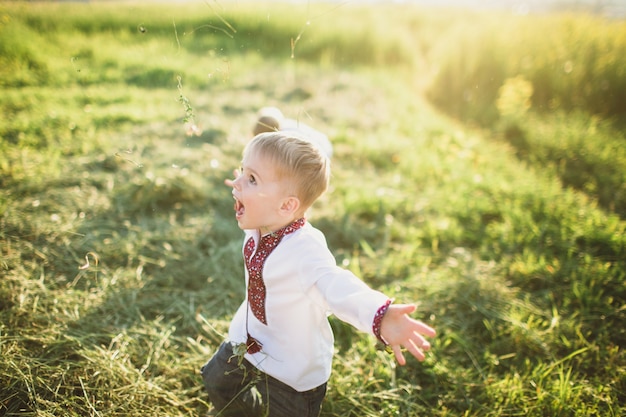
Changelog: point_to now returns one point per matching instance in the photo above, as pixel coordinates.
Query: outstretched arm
(399, 330)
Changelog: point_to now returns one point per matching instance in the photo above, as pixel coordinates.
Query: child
(278, 356)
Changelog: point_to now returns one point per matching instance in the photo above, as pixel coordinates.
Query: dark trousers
(236, 388)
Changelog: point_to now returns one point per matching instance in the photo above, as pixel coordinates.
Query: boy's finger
(397, 351)
(421, 342)
(425, 329)
(416, 351)
(406, 308)
(229, 182)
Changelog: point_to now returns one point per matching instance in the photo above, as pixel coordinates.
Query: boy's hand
(400, 330)
(229, 182)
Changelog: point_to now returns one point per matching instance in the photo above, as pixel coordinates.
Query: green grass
(120, 261)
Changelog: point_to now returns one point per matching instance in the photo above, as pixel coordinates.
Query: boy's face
(260, 195)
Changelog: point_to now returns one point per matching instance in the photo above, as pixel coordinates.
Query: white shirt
(303, 286)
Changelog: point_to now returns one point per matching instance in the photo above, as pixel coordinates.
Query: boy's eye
(252, 179)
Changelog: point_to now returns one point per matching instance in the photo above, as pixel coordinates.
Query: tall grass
(574, 62)
(573, 70)
(120, 262)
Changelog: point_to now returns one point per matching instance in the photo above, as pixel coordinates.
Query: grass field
(500, 212)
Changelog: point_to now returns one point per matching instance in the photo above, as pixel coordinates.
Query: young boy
(278, 356)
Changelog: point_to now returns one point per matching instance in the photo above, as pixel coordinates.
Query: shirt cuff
(378, 320)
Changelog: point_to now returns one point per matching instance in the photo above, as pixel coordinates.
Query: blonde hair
(305, 167)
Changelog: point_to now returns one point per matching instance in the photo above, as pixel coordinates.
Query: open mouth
(239, 208)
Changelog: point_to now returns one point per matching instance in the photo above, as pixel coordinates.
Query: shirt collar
(290, 228)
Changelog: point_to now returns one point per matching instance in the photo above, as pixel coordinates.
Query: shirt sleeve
(344, 294)
(335, 289)
(378, 321)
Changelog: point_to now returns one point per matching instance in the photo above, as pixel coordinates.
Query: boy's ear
(290, 205)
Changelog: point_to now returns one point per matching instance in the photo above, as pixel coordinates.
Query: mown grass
(120, 259)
